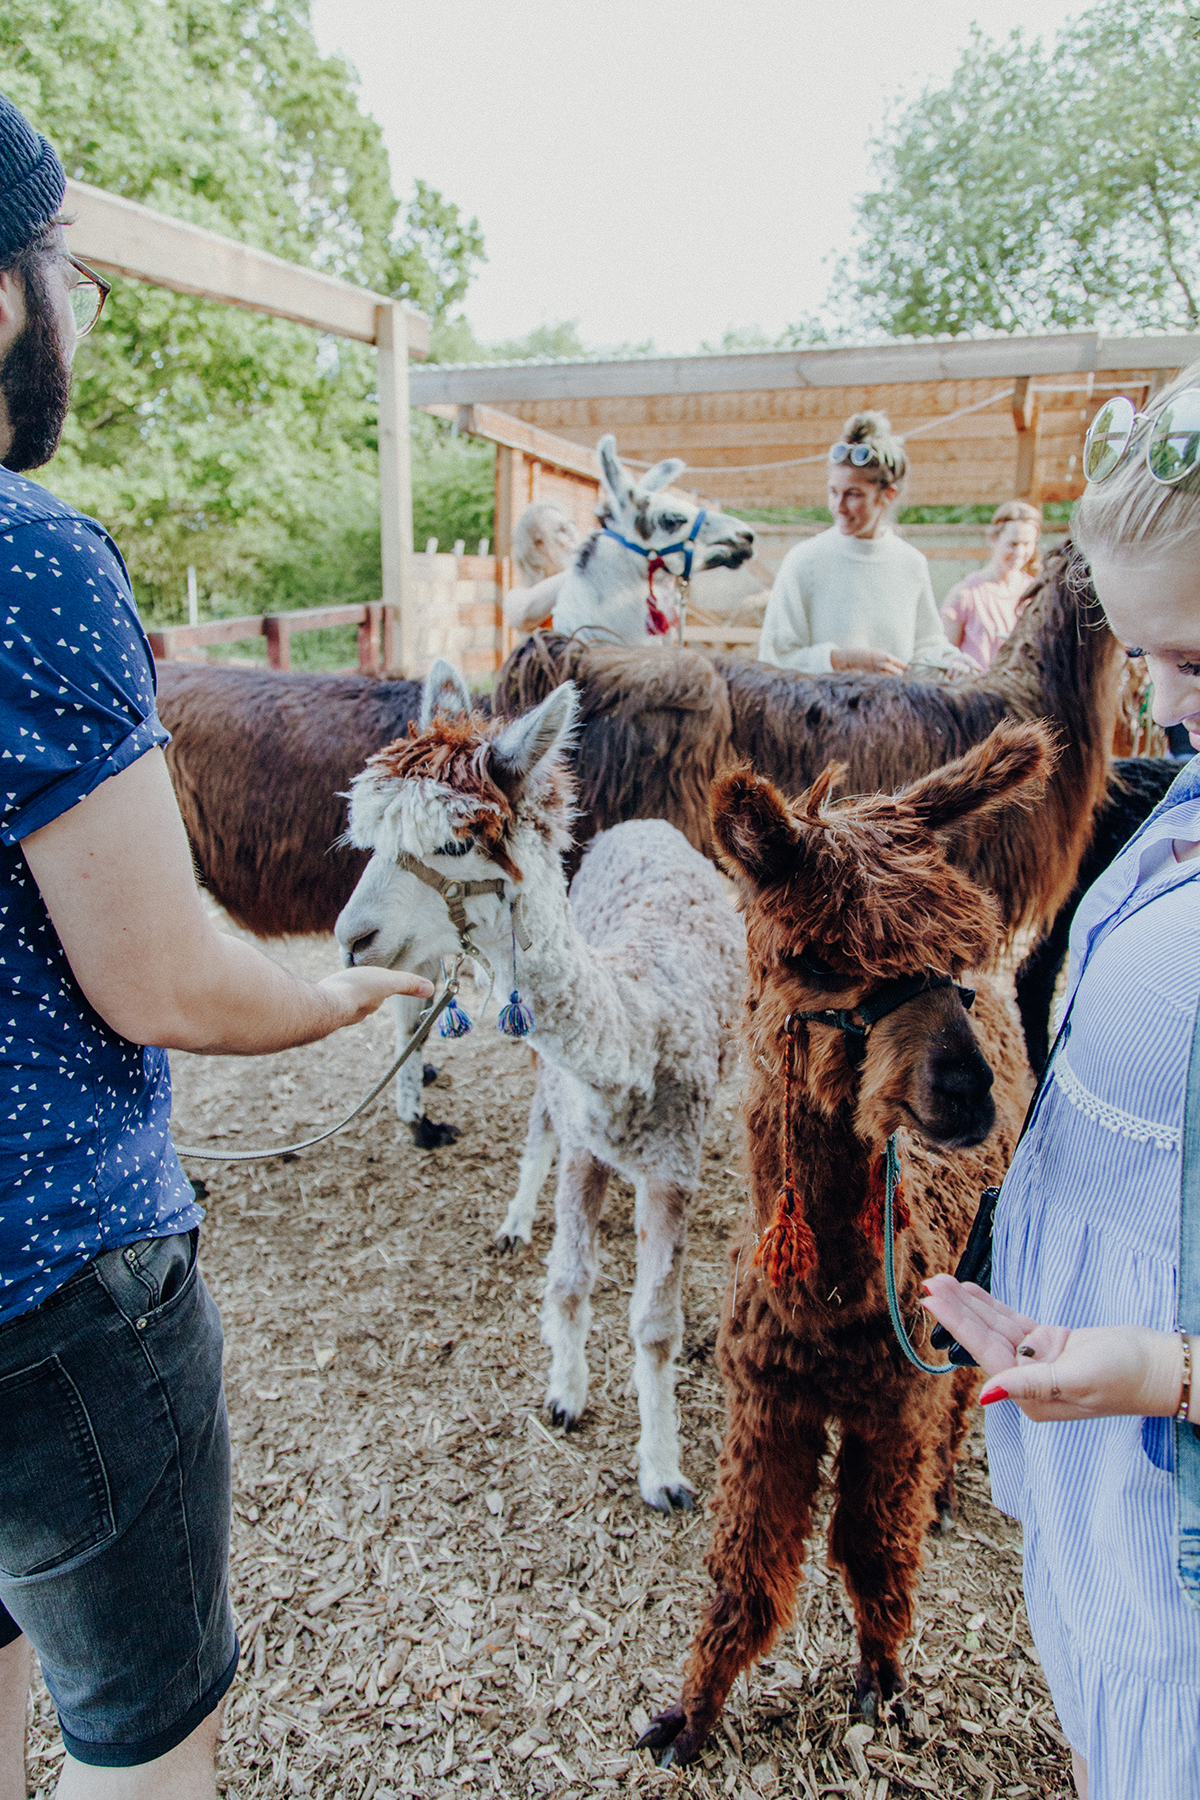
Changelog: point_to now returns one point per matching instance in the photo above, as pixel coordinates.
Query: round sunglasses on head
(859, 455)
(1172, 442)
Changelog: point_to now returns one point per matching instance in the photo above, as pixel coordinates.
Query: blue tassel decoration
(516, 1019)
(454, 1022)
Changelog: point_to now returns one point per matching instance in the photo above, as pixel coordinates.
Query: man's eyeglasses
(89, 291)
(1172, 442)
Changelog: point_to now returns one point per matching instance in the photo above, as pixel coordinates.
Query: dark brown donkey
(848, 905)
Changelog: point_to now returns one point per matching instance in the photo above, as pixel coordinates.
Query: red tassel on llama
(870, 1219)
(787, 1250)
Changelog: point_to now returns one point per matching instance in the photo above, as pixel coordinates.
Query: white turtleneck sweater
(838, 592)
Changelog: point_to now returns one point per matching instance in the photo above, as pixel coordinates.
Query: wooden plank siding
(792, 405)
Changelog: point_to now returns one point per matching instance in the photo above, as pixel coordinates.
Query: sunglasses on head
(859, 455)
(1172, 441)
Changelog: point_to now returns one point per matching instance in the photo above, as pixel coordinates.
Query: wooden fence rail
(376, 633)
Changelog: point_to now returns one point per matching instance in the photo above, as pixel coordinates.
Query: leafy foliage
(1043, 190)
(202, 434)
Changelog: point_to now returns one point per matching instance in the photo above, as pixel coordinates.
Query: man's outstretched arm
(116, 875)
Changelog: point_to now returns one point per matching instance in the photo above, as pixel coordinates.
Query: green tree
(1043, 189)
(202, 434)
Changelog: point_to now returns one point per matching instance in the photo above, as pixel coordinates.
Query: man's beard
(35, 381)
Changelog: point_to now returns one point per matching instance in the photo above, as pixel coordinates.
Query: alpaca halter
(454, 892)
(656, 560)
(885, 999)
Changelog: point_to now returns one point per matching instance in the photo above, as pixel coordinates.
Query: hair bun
(866, 425)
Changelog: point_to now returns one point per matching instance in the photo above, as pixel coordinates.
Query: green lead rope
(891, 1168)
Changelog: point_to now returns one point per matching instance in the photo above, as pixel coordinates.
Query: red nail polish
(993, 1394)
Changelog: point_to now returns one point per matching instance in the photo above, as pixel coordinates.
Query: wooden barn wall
(976, 459)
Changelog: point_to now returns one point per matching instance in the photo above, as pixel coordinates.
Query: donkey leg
(410, 1079)
(762, 1514)
(536, 1160)
(570, 1278)
(656, 1324)
(886, 1489)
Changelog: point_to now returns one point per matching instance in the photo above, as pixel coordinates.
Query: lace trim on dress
(1113, 1118)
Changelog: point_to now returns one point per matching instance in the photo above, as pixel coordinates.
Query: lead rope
(436, 1007)
(891, 1172)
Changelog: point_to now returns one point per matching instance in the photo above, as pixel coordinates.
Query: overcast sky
(652, 168)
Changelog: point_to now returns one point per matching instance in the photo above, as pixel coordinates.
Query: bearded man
(114, 1443)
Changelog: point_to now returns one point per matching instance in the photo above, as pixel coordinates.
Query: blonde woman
(980, 611)
(857, 596)
(1081, 1338)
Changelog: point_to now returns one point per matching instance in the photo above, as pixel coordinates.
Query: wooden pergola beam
(953, 359)
(125, 238)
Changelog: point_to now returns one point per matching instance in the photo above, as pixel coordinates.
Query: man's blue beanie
(32, 183)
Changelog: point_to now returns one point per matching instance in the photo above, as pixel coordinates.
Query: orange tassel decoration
(787, 1250)
(870, 1219)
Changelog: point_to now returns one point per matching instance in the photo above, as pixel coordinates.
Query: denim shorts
(115, 1501)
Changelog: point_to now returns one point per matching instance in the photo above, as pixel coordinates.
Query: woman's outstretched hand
(1093, 1372)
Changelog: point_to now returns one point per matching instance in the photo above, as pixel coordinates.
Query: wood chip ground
(438, 1595)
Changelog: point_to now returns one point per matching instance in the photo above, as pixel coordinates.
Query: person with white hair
(544, 541)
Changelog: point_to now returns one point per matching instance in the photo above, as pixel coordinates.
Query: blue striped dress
(1087, 1234)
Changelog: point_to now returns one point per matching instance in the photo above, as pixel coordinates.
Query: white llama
(634, 985)
(613, 590)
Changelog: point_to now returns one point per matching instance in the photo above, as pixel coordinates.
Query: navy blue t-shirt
(86, 1160)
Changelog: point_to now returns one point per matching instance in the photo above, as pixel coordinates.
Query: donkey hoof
(429, 1136)
(560, 1417)
(945, 1522)
(901, 1710)
(868, 1706)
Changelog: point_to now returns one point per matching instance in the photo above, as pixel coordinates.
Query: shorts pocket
(54, 1497)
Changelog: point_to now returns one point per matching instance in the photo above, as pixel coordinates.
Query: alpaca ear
(662, 474)
(1009, 766)
(753, 826)
(620, 489)
(445, 694)
(535, 736)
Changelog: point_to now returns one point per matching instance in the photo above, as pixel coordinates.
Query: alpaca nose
(358, 945)
(962, 1080)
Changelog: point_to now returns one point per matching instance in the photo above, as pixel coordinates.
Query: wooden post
(1025, 418)
(505, 460)
(395, 473)
(279, 650)
(387, 645)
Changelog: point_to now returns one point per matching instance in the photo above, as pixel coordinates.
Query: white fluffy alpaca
(634, 986)
(606, 592)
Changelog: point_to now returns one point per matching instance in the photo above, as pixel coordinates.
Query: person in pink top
(980, 611)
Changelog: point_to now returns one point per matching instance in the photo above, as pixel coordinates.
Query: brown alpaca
(839, 899)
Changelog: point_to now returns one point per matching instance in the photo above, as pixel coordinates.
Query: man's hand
(116, 875)
(873, 662)
(1093, 1372)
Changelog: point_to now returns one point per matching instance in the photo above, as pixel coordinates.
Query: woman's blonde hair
(888, 465)
(1018, 512)
(1132, 512)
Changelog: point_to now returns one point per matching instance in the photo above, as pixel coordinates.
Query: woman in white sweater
(857, 596)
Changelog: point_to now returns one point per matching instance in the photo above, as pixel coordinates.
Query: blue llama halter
(516, 1019)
